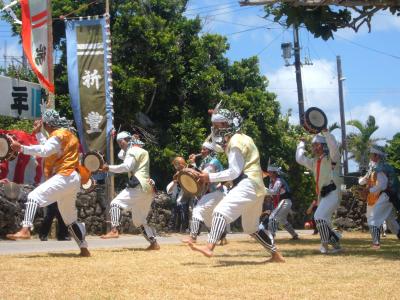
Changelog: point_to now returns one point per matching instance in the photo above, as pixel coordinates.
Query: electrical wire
(368, 48)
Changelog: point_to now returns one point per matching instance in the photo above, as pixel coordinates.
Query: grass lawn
(237, 271)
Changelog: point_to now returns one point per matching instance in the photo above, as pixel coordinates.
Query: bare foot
(223, 242)
(84, 252)
(111, 235)
(188, 240)
(276, 258)
(376, 246)
(202, 249)
(20, 235)
(153, 246)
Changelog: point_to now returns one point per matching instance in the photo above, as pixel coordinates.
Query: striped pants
(279, 216)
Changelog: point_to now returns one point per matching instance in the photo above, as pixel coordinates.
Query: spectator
(62, 230)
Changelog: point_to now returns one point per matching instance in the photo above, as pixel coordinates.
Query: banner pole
(110, 179)
(50, 96)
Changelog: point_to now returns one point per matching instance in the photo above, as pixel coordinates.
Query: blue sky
(372, 73)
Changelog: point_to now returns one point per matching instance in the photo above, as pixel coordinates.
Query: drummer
(63, 181)
(325, 166)
(246, 197)
(138, 194)
(202, 212)
(279, 188)
(379, 206)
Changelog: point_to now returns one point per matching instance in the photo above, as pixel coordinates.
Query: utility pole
(5, 56)
(342, 118)
(297, 64)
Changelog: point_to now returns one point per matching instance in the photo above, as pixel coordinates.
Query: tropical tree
(323, 20)
(393, 152)
(359, 143)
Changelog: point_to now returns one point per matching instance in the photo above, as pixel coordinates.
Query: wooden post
(110, 183)
(50, 97)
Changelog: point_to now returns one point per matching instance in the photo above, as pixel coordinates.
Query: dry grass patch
(237, 271)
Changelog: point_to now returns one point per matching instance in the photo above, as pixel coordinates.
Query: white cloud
(381, 21)
(385, 21)
(386, 117)
(320, 90)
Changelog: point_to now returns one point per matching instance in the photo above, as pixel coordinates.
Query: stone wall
(91, 210)
(350, 215)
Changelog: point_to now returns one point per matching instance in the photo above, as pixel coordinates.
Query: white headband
(123, 135)
(376, 150)
(318, 139)
(273, 169)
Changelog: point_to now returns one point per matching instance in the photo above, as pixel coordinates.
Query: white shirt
(236, 165)
(381, 182)
(276, 188)
(174, 191)
(127, 166)
(46, 149)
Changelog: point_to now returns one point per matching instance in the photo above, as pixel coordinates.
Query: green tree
(393, 152)
(359, 143)
(168, 73)
(323, 20)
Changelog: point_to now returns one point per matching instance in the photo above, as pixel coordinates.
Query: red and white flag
(24, 169)
(36, 25)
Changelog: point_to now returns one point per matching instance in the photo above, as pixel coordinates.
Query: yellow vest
(142, 167)
(66, 162)
(252, 166)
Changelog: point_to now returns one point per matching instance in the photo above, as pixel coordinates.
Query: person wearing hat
(379, 207)
(138, 194)
(278, 187)
(202, 212)
(179, 221)
(246, 197)
(61, 152)
(325, 166)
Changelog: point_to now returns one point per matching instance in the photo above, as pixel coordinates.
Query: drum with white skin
(315, 120)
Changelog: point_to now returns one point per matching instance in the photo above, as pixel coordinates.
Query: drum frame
(98, 155)
(309, 126)
(91, 188)
(11, 154)
(191, 173)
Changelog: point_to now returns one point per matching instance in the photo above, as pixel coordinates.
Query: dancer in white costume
(279, 188)
(245, 199)
(202, 212)
(63, 181)
(325, 166)
(379, 207)
(138, 194)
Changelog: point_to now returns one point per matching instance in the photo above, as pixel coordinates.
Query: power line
(233, 23)
(214, 10)
(208, 6)
(250, 29)
(270, 43)
(369, 48)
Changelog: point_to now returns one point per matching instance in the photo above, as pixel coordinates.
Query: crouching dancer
(63, 181)
(245, 199)
(138, 194)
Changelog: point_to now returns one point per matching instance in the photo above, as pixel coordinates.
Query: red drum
(315, 120)
(6, 153)
(188, 180)
(93, 161)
